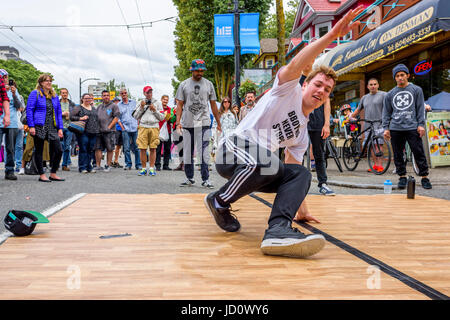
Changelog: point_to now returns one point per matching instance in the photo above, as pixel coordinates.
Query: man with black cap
(404, 120)
(193, 96)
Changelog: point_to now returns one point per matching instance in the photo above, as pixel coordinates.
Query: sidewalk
(360, 178)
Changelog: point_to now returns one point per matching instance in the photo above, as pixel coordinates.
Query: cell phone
(11, 82)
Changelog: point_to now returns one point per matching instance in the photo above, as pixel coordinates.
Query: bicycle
(379, 152)
(331, 152)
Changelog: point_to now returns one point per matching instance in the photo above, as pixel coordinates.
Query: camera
(11, 82)
(148, 102)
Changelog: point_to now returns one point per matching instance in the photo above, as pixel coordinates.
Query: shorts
(105, 140)
(118, 138)
(148, 137)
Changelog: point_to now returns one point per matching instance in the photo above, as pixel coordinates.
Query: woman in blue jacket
(44, 118)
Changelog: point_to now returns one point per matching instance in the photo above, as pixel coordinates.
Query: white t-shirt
(278, 121)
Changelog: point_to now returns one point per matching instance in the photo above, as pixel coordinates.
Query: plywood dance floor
(175, 251)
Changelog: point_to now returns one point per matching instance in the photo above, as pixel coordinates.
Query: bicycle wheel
(351, 153)
(333, 152)
(379, 155)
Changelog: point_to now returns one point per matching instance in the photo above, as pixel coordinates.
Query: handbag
(163, 132)
(77, 127)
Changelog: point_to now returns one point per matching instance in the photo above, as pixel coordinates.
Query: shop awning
(414, 24)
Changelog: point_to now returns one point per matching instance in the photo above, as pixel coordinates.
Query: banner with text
(249, 33)
(223, 34)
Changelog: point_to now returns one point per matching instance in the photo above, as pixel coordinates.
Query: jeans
(202, 135)
(66, 144)
(129, 143)
(86, 143)
(19, 148)
(10, 141)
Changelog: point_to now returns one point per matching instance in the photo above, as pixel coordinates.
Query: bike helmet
(22, 223)
(345, 107)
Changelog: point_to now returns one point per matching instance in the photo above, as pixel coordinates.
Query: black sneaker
(10, 176)
(283, 240)
(223, 217)
(187, 183)
(426, 184)
(402, 182)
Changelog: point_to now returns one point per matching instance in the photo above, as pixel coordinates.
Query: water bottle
(388, 187)
(411, 187)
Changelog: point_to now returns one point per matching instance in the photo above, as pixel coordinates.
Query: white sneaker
(21, 171)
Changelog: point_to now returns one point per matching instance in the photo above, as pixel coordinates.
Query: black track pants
(249, 168)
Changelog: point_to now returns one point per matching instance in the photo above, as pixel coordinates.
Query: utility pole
(237, 53)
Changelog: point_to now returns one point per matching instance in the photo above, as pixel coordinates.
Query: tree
(24, 74)
(194, 35)
(270, 28)
(281, 33)
(247, 86)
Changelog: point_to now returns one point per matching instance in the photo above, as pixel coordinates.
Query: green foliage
(270, 24)
(194, 35)
(245, 87)
(24, 74)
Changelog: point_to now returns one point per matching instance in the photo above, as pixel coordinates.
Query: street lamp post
(82, 81)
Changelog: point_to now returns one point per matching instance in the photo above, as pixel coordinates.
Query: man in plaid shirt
(4, 100)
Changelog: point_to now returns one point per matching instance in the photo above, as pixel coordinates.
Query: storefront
(418, 37)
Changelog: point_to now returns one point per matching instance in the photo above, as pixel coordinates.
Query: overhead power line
(146, 43)
(132, 43)
(147, 24)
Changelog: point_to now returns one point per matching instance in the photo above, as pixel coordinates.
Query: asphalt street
(27, 193)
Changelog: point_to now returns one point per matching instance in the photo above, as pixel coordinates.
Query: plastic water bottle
(388, 187)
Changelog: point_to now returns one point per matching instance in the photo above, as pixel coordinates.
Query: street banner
(223, 34)
(438, 136)
(249, 33)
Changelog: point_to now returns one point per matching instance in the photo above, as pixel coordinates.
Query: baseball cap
(345, 107)
(197, 64)
(146, 88)
(3, 72)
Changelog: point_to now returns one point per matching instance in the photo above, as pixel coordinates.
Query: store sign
(423, 67)
(410, 26)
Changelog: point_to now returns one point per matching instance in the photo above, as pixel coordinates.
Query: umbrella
(441, 101)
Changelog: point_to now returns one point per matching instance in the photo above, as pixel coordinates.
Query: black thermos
(411, 187)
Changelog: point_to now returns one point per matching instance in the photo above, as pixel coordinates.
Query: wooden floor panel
(411, 235)
(186, 256)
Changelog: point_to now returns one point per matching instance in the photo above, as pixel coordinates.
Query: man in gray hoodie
(149, 114)
(404, 120)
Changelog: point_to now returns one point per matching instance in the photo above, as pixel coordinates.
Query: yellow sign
(112, 94)
(407, 25)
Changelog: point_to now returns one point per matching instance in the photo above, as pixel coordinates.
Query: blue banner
(223, 34)
(249, 33)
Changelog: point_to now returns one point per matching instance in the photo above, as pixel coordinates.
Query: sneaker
(326, 190)
(167, 168)
(426, 184)
(10, 176)
(143, 172)
(152, 172)
(98, 168)
(207, 184)
(402, 183)
(84, 171)
(21, 171)
(107, 169)
(223, 216)
(127, 168)
(158, 168)
(283, 240)
(93, 171)
(65, 168)
(187, 183)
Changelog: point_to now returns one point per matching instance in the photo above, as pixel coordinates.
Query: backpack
(30, 166)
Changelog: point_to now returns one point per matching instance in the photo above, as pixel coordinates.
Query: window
(269, 63)
(306, 36)
(322, 29)
(306, 10)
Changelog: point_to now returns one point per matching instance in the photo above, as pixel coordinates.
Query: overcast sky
(104, 53)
